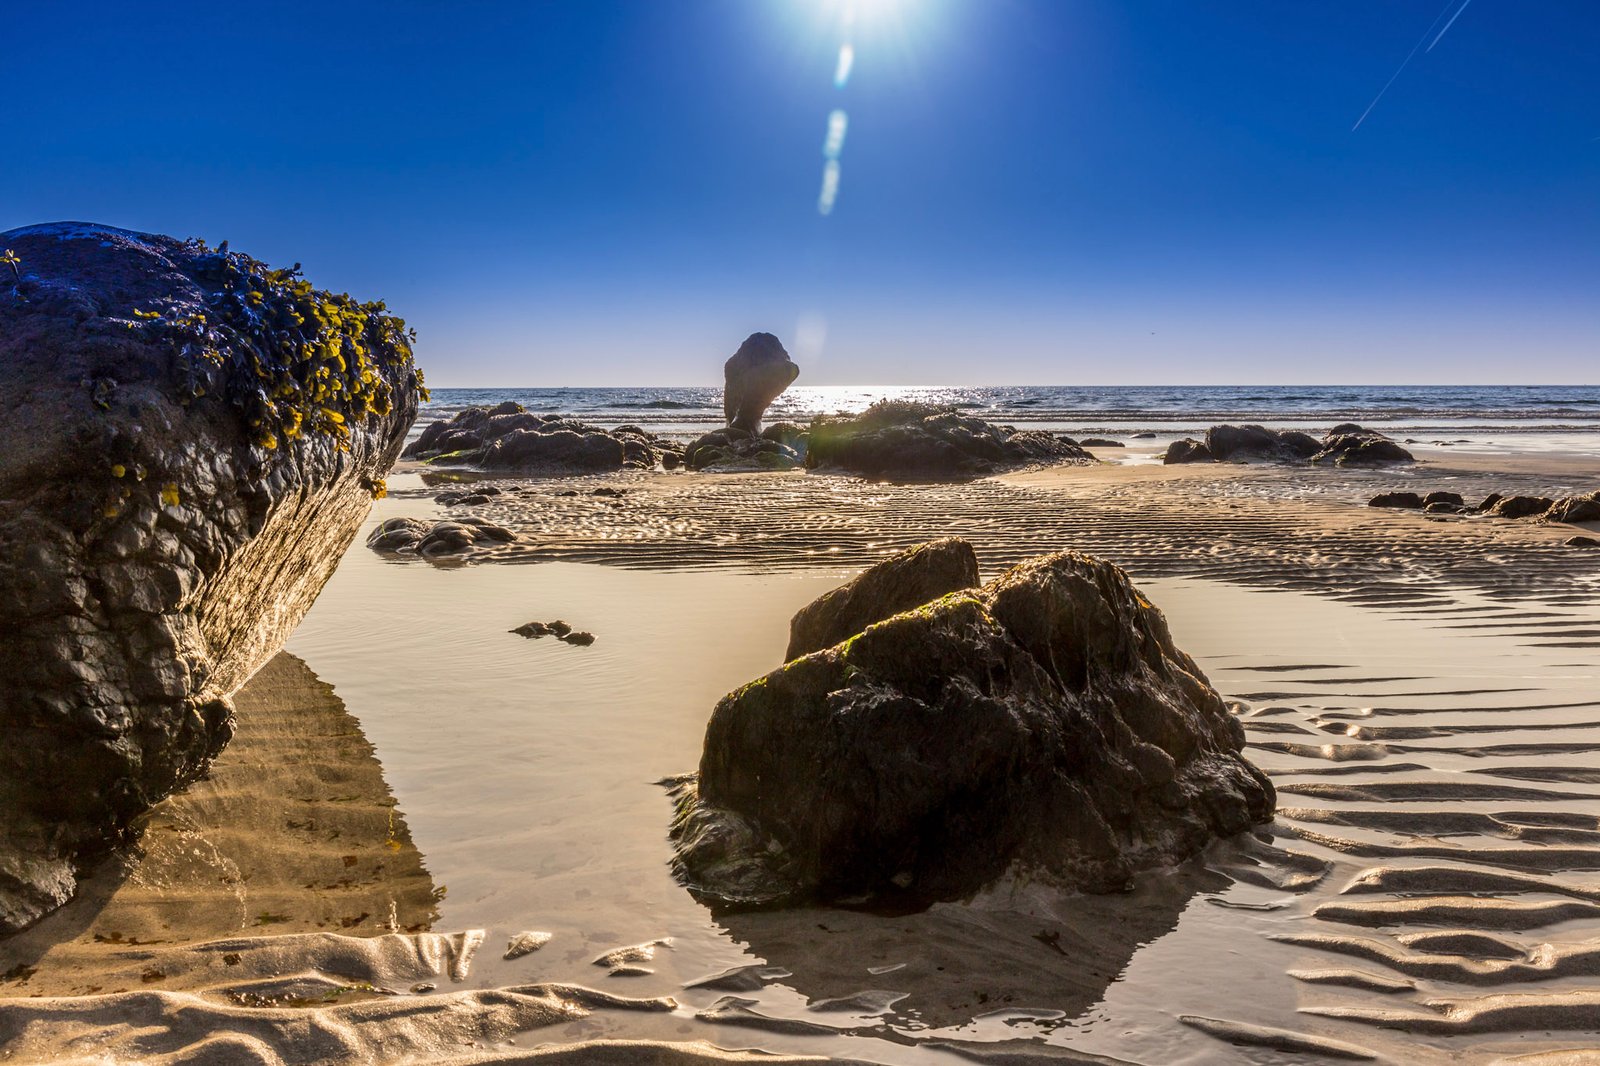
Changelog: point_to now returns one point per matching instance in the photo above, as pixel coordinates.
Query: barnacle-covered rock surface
(189, 440)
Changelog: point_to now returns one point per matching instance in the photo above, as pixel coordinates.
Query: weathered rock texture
(906, 440)
(425, 539)
(189, 441)
(1044, 721)
(1344, 445)
(753, 377)
(508, 437)
(905, 580)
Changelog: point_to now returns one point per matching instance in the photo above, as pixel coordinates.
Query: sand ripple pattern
(1228, 527)
(1460, 915)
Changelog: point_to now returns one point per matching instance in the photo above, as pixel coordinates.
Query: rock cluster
(508, 437)
(191, 440)
(448, 538)
(729, 450)
(1344, 445)
(1044, 722)
(1566, 509)
(901, 439)
(558, 629)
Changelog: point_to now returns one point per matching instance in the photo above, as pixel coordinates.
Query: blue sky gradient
(1060, 191)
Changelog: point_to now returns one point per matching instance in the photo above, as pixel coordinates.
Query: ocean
(1417, 410)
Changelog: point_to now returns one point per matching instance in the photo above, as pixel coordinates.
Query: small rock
(526, 943)
(1582, 542)
(1100, 442)
(1409, 500)
(579, 637)
(1187, 450)
(1452, 498)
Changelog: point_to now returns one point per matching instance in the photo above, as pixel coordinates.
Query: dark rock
(1044, 722)
(177, 482)
(1187, 450)
(436, 540)
(1444, 508)
(606, 490)
(789, 435)
(1100, 442)
(1144, 436)
(578, 637)
(1240, 443)
(1397, 499)
(1452, 498)
(1581, 542)
(558, 629)
(753, 377)
(905, 580)
(907, 440)
(1350, 445)
(1489, 502)
(731, 450)
(1520, 506)
(1575, 509)
(506, 437)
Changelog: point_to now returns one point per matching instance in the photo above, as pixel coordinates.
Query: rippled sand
(1423, 692)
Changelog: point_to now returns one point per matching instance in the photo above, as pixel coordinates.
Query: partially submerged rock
(1187, 450)
(1240, 443)
(508, 437)
(905, 580)
(447, 538)
(1044, 722)
(191, 439)
(1344, 445)
(753, 377)
(905, 439)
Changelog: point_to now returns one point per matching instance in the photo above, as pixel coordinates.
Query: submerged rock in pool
(191, 440)
(447, 539)
(1044, 722)
(907, 440)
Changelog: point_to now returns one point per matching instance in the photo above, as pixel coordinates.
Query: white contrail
(1406, 62)
(1447, 25)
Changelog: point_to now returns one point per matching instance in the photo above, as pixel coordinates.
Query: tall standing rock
(753, 377)
(188, 442)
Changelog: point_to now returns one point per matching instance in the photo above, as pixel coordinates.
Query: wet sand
(1422, 691)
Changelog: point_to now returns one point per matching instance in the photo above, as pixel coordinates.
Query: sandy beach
(413, 787)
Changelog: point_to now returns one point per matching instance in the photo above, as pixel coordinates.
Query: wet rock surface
(190, 440)
(1344, 445)
(1583, 508)
(508, 437)
(447, 538)
(905, 580)
(1044, 722)
(906, 440)
(753, 377)
(730, 450)
(558, 629)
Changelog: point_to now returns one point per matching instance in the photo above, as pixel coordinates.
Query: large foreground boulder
(752, 378)
(508, 437)
(1044, 722)
(905, 580)
(190, 441)
(908, 440)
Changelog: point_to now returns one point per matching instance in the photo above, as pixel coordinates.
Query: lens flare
(838, 122)
(847, 59)
(830, 187)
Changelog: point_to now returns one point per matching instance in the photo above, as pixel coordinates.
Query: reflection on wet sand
(1012, 949)
(294, 830)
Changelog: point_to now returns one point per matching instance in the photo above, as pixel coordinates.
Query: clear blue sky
(1031, 191)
